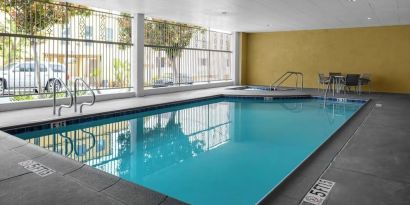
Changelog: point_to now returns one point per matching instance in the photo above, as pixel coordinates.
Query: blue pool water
(219, 151)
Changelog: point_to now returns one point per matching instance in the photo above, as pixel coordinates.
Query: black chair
(352, 80)
(331, 76)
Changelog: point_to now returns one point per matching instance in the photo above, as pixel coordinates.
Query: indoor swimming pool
(225, 150)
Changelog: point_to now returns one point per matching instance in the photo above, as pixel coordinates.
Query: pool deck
(368, 158)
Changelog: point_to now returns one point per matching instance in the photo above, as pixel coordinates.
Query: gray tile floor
(369, 159)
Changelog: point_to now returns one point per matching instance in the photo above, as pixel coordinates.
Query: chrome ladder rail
(325, 95)
(284, 77)
(55, 96)
(75, 95)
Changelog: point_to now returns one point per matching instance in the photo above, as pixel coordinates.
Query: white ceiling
(267, 15)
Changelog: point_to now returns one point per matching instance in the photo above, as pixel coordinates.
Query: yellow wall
(382, 51)
(243, 56)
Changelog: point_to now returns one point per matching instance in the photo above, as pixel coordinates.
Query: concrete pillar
(137, 68)
(236, 57)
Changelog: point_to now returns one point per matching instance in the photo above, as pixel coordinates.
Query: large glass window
(66, 41)
(180, 54)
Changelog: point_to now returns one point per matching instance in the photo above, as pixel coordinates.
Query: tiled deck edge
(331, 145)
(88, 177)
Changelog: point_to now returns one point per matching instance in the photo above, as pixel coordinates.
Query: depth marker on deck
(318, 193)
(37, 168)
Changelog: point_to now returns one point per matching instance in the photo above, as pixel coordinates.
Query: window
(88, 32)
(26, 67)
(31, 67)
(194, 53)
(57, 67)
(204, 61)
(109, 34)
(161, 62)
(66, 33)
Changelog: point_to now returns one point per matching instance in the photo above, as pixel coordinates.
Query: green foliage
(21, 98)
(33, 16)
(60, 94)
(121, 72)
(169, 34)
(124, 24)
(11, 48)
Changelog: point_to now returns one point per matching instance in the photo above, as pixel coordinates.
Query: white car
(22, 75)
(168, 79)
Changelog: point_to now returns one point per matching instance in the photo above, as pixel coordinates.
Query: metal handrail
(284, 77)
(55, 96)
(75, 95)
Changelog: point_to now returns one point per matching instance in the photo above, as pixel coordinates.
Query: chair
(352, 80)
(365, 80)
(323, 81)
(331, 76)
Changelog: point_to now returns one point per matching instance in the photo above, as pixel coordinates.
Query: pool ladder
(73, 97)
(284, 77)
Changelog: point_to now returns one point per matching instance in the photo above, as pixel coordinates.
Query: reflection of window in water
(166, 139)
(208, 124)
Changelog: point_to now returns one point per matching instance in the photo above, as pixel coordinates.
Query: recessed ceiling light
(369, 18)
(351, 0)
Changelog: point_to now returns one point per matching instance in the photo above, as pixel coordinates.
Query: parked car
(22, 75)
(167, 79)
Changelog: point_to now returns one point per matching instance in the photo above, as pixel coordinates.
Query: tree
(121, 72)
(124, 24)
(31, 17)
(172, 37)
(9, 47)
